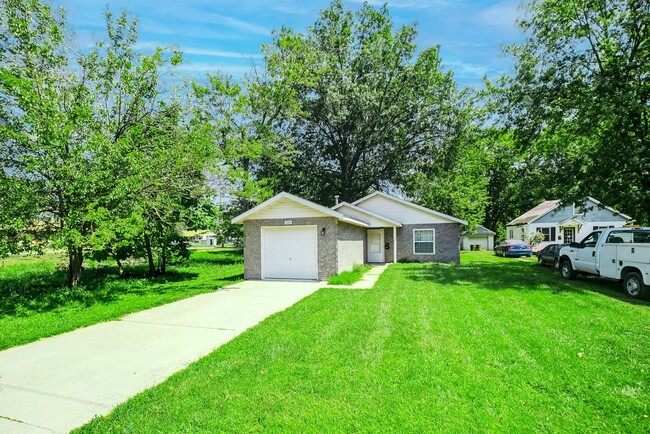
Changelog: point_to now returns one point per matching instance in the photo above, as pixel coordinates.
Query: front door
(569, 235)
(376, 245)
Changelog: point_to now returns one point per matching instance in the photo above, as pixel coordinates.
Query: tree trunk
(147, 245)
(76, 258)
(163, 261)
(120, 268)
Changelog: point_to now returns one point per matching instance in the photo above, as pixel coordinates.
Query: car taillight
(529, 247)
(510, 247)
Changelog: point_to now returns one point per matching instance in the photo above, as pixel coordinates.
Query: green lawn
(350, 277)
(35, 303)
(492, 345)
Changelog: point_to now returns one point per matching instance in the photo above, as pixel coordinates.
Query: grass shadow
(520, 275)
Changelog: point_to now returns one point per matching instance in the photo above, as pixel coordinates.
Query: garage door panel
(290, 253)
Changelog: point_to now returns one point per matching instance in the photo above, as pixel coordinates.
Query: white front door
(290, 252)
(376, 245)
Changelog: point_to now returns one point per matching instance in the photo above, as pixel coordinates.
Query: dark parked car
(549, 255)
(513, 248)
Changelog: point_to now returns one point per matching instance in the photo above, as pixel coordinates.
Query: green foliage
(486, 346)
(365, 104)
(97, 152)
(535, 238)
(349, 277)
(579, 101)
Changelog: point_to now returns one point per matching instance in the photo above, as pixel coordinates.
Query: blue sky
(226, 35)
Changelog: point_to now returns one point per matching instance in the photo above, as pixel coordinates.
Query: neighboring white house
(481, 236)
(565, 224)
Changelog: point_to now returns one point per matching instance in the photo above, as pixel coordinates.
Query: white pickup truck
(616, 253)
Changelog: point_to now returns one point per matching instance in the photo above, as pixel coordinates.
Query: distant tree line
(103, 154)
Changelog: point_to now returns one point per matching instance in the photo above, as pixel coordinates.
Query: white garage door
(482, 241)
(290, 252)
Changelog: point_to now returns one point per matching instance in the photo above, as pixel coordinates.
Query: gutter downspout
(394, 244)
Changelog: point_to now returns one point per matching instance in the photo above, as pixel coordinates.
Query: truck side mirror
(574, 245)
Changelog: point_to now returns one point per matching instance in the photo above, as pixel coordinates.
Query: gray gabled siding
(593, 214)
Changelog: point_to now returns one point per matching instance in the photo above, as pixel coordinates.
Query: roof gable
(551, 212)
(373, 219)
(286, 206)
(535, 213)
(402, 211)
(480, 230)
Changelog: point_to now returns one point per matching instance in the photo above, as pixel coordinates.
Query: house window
(511, 235)
(424, 241)
(595, 228)
(549, 233)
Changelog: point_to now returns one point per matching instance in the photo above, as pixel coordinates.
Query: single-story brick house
(288, 237)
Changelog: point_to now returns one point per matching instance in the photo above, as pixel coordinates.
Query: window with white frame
(424, 241)
(549, 233)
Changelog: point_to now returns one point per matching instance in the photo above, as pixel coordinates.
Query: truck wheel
(633, 285)
(567, 271)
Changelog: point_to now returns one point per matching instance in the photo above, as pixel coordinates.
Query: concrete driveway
(62, 382)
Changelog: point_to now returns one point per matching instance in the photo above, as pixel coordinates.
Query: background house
(288, 237)
(565, 224)
(481, 236)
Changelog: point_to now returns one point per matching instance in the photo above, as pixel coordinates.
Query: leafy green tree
(109, 159)
(368, 104)
(246, 124)
(46, 130)
(579, 101)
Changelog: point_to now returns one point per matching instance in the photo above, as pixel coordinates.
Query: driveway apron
(62, 382)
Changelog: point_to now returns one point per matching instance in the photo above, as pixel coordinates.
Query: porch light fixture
(322, 231)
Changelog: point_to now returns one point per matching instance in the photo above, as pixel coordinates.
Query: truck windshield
(628, 236)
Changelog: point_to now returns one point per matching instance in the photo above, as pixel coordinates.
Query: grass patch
(35, 302)
(491, 345)
(349, 277)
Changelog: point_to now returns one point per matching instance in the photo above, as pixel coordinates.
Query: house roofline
(365, 211)
(536, 218)
(411, 204)
(284, 195)
(599, 203)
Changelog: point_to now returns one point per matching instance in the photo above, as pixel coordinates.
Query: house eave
(412, 205)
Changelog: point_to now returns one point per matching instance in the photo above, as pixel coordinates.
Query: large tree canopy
(97, 155)
(369, 103)
(579, 101)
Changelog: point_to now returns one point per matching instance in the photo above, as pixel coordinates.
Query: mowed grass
(35, 302)
(492, 345)
(350, 277)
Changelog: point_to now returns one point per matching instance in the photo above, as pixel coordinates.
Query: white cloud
(219, 53)
(235, 70)
(501, 15)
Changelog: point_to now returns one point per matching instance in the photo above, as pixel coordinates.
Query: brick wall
(351, 246)
(447, 243)
(327, 244)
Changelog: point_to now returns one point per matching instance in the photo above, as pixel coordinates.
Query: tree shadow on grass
(519, 276)
(41, 290)
(230, 257)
